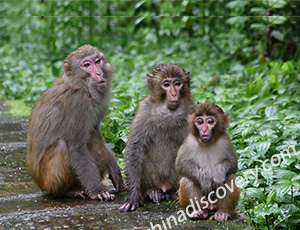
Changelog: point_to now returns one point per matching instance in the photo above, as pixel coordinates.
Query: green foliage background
(243, 55)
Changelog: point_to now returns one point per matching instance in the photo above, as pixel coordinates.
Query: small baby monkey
(207, 162)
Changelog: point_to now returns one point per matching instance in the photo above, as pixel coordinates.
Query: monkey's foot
(155, 195)
(120, 187)
(128, 207)
(199, 215)
(77, 194)
(220, 216)
(104, 196)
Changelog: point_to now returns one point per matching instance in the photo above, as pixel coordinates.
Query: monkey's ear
(149, 80)
(226, 119)
(188, 77)
(66, 67)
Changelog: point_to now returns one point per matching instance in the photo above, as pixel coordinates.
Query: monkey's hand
(219, 177)
(103, 196)
(220, 216)
(128, 206)
(217, 181)
(132, 203)
(120, 187)
(204, 181)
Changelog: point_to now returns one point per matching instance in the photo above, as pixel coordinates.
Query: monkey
(207, 160)
(156, 133)
(66, 154)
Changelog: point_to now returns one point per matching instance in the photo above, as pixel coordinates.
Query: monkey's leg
(155, 195)
(114, 170)
(187, 191)
(98, 155)
(54, 170)
(226, 206)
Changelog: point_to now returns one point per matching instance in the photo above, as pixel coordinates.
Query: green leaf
(236, 4)
(270, 196)
(261, 147)
(284, 175)
(139, 4)
(296, 178)
(271, 110)
(276, 3)
(258, 11)
(254, 193)
(276, 34)
(289, 208)
(258, 26)
(275, 20)
(236, 20)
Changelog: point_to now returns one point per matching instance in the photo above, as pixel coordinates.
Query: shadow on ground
(24, 206)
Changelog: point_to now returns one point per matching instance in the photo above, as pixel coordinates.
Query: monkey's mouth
(173, 104)
(205, 137)
(101, 83)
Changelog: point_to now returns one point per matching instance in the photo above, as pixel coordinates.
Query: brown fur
(65, 150)
(209, 109)
(188, 190)
(207, 166)
(155, 135)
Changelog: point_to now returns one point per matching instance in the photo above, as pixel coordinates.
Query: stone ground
(24, 206)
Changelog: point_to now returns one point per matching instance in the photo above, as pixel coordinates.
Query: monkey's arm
(114, 170)
(188, 167)
(86, 171)
(225, 167)
(135, 156)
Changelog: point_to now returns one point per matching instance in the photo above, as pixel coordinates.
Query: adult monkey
(66, 154)
(207, 161)
(156, 133)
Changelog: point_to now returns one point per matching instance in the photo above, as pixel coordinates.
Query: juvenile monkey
(66, 154)
(206, 161)
(156, 133)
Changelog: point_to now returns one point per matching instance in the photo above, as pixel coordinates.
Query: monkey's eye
(166, 84)
(199, 121)
(210, 121)
(98, 61)
(86, 65)
(177, 83)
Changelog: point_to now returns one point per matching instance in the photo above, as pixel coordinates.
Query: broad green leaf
(261, 147)
(275, 20)
(276, 34)
(271, 110)
(254, 193)
(270, 196)
(258, 11)
(276, 3)
(258, 26)
(236, 4)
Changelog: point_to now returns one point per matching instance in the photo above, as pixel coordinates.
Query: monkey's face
(205, 126)
(93, 66)
(171, 88)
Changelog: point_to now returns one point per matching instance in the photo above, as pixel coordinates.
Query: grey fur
(70, 111)
(201, 163)
(155, 136)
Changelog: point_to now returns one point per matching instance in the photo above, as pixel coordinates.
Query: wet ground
(24, 206)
